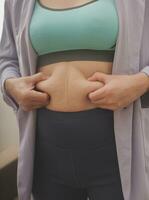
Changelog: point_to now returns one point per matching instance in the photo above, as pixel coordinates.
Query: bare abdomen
(68, 86)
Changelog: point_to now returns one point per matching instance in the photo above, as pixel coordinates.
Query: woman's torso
(72, 27)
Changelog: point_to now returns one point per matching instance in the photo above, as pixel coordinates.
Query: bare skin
(60, 4)
(68, 86)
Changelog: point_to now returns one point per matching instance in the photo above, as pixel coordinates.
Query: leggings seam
(84, 194)
(91, 195)
(74, 171)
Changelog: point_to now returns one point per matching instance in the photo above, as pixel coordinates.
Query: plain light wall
(9, 134)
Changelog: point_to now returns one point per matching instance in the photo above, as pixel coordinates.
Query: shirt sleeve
(9, 66)
(145, 96)
(145, 70)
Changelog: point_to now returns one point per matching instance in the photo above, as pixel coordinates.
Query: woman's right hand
(22, 91)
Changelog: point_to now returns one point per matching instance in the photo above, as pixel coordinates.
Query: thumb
(100, 93)
(98, 76)
(35, 78)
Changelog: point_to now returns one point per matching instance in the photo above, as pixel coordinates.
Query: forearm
(143, 81)
(4, 89)
(9, 88)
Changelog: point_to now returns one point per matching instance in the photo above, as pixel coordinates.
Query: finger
(105, 107)
(38, 106)
(36, 102)
(37, 77)
(32, 107)
(100, 101)
(98, 76)
(97, 94)
(38, 96)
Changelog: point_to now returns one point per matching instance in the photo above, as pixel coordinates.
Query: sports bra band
(79, 54)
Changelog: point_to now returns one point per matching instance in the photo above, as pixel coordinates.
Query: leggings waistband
(61, 115)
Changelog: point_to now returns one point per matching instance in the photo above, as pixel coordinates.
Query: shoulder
(14, 3)
(13, 10)
(10, 2)
(15, 7)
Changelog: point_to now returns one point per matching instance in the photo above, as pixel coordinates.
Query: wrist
(8, 85)
(143, 79)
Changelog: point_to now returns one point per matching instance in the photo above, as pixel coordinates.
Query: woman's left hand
(118, 90)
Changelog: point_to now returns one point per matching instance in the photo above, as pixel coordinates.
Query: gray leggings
(75, 156)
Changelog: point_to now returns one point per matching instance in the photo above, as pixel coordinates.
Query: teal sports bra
(90, 28)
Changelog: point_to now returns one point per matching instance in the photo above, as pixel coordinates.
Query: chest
(88, 26)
